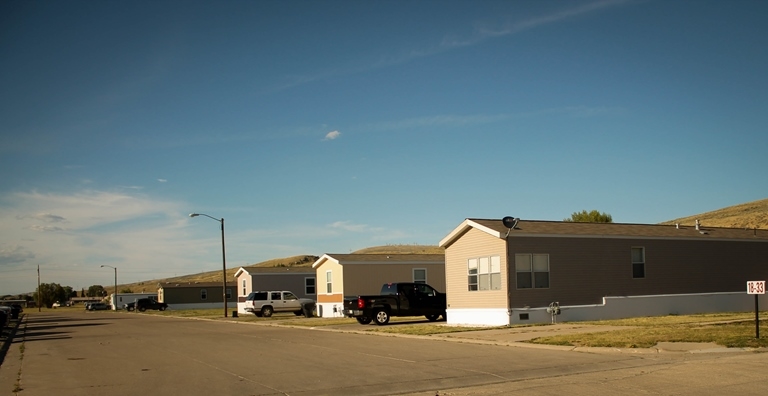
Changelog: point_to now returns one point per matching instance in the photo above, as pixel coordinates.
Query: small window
(524, 316)
(419, 275)
(472, 274)
(244, 289)
(638, 262)
(328, 282)
(203, 294)
(229, 294)
(309, 286)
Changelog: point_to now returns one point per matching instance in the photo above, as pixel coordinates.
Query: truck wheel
(162, 308)
(363, 320)
(266, 311)
(432, 317)
(142, 309)
(381, 317)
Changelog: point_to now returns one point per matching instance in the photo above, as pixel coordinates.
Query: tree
(50, 293)
(590, 217)
(126, 290)
(96, 291)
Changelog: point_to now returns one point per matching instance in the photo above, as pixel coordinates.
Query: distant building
(196, 295)
(299, 280)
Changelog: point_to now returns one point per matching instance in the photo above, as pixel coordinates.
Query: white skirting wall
(330, 310)
(612, 308)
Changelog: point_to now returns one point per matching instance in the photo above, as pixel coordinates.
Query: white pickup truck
(264, 303)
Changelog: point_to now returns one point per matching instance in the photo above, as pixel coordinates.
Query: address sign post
(756, 288)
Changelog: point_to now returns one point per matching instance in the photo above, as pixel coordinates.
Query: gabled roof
(354, 259)
(274, 270)
(538, 228)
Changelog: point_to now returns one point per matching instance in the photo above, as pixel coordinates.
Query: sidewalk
(517, 337)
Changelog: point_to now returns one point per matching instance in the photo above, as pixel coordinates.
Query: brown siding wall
(583, 270)
(474, 243)
(362, 279)
(191, 295)
(290, 282)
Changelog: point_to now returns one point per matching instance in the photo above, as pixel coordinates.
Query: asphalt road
(107, 353)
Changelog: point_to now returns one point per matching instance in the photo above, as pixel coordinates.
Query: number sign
(756, 287)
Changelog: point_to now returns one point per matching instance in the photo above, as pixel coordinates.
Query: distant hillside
(747, 215)
(303, 260)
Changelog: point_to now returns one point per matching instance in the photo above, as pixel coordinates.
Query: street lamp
(114, 302)
(223, 258)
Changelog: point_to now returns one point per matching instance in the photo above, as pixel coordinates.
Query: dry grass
(747, 215)
(734, 330)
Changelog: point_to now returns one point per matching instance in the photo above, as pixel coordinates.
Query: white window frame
(245, 292)
(228, 293)
(413, 275)
(328, 282)
(484, 273)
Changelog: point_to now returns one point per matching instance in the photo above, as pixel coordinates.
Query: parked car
(144, 304)
(264, 303)
(5, 316)
(97, 307)
(16, 310)
(397, 299)
(130, 306)
(56, 304)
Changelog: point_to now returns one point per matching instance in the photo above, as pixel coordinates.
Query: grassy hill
(748, 215)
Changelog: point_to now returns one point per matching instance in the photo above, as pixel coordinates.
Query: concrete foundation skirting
(612, 308)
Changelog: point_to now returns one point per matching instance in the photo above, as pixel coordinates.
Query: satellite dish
(510, 222)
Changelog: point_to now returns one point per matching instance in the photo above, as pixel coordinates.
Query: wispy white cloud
(349, 226)
(162, 180)
(332, 135)
(485, 31)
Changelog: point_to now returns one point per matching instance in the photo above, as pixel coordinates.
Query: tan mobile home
(349, 275)
(499, 274)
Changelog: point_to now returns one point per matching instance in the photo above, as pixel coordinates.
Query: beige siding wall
(361, 279)
(337, 282)
(474, 244)
(242, 294)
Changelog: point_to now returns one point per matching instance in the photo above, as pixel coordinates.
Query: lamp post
(223, 259)
(114, 302)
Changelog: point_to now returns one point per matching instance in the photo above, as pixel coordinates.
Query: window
(229, 294)
(203, 294)
(484, 273)
(419, 275)
(472, 274)
(532, 271)
(309, 286)
(289, 296)
(638, 262)
(328, 282)
(275, 296)
(244, 289)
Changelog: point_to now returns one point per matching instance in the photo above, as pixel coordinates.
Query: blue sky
(318, 127)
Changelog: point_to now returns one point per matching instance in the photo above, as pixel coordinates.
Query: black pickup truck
(396, 299)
